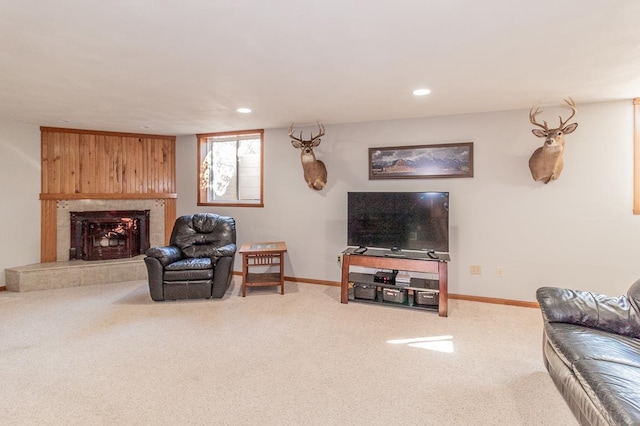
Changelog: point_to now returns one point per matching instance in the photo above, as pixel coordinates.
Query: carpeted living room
(426, 261)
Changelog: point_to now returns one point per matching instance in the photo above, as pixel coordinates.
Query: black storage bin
(394, 295)
(364, 291)
(426, 298)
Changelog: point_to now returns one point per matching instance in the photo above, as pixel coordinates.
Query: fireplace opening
(100, 235)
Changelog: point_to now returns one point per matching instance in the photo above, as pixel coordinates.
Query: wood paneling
(79, 162)
(169, 218)
(48, 234)
(85, 164)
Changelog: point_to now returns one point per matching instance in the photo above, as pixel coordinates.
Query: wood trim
(109, 196)
(312, 281)
(169, 218)
(104, 133)
(48, 231)
(494, 300)
(219, 204)
(230, 133)
(636, 156)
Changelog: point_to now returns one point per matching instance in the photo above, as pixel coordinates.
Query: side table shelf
(424, 294)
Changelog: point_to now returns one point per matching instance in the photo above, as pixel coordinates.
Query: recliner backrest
(200, 234)
(633, 294)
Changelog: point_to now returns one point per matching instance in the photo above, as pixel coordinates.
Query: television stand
(406, 261)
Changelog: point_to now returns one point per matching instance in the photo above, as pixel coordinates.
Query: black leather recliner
(198, 263)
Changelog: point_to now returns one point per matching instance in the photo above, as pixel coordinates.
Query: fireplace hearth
(101, 235)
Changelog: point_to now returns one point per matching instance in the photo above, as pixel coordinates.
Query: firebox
(99, 235)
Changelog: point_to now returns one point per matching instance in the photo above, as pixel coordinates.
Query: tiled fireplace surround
(65, 273)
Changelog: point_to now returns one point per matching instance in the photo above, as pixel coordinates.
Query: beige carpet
(108, 355)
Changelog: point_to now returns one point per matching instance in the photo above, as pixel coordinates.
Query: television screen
(398, 220)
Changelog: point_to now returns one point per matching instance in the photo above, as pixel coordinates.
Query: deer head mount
(315, 172)
(546, 162)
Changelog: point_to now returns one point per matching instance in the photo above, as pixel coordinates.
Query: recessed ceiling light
(421, 92)
(244, 110)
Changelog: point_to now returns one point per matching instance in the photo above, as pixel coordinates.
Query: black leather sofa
(591, 348)
(198, 263)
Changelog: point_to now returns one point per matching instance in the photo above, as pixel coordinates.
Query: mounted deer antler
(546, 162)
(315, 172)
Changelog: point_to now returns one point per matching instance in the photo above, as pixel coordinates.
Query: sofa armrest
(165, 255)
(613, 314)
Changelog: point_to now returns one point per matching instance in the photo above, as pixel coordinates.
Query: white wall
(578, 231)
(19, 192)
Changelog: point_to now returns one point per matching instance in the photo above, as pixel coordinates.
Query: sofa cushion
(613, 388)
(575, 342)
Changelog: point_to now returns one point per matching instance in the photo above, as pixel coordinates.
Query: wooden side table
(262, 255)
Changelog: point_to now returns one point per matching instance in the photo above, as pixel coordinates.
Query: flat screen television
(398, 220)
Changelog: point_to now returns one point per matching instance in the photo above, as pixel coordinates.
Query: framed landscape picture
(422, 161)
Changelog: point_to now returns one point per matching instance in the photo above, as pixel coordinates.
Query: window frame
(201, 140)
(636, 156)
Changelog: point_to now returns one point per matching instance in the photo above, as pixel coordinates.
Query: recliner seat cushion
(192, 275)
(189, 269)
(190, 264)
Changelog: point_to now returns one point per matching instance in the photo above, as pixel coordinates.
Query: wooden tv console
(407, 261)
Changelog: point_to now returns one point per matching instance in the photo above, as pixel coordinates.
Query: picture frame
(447, 160)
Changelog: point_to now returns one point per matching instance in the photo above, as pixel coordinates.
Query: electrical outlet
(475, 270)
(500, 271)
(339, 260)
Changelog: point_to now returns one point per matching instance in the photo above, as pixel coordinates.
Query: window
(230, 168)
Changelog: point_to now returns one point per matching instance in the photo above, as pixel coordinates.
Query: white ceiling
(184, 66)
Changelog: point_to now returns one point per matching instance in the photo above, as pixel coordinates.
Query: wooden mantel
(75, 196)
(84, 164)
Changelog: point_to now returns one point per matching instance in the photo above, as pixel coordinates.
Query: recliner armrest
(165, 255)
(613, 314)
(222, 251)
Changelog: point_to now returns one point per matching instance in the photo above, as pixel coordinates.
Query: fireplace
(100, 235)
